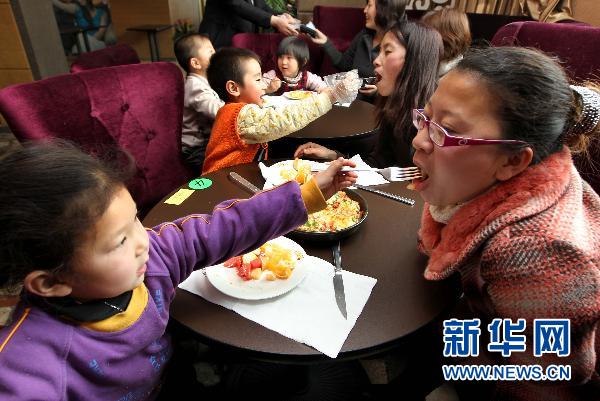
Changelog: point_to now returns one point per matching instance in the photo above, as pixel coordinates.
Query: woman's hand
(284, 25)
(333, 179)
(319, 39)
(315, 150)
(369, 90)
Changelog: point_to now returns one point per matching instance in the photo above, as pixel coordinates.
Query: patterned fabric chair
(137, 107)
(107, 57)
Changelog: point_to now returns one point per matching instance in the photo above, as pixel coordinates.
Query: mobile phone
(368, 81)
(307, 30)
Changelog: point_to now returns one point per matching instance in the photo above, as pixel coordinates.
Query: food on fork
(272, 259)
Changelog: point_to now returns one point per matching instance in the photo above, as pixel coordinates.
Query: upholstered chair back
(576, 45)
(108, 57)
(137, 108)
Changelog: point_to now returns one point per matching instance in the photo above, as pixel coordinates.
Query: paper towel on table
(367, 177)
(308, 313)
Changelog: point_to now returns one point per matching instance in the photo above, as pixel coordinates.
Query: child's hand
(314, 150)
(333, 179)
(320, 38)
(274, 85)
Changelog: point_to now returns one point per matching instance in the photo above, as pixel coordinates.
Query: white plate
(274, 177)
(226, 279)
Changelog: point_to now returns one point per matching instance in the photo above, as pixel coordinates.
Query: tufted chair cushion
(107, 57)
(135, 107)
(265, 45)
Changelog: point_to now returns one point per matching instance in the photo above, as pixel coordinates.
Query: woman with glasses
(406, 71)
(507, 211)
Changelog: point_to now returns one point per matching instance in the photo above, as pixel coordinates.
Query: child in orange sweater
(242, 127)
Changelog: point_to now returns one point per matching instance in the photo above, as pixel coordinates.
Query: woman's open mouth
(378, 78)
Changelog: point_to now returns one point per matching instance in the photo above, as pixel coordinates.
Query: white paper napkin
(272, 174)
(367, 177)
(308, 313)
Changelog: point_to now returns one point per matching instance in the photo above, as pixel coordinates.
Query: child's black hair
(228, 64)
(295, 47)
(185, 48)
(51, 195)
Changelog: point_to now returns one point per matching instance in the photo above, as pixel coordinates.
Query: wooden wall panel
(14, 67)
(12, 52)
(587, 11)
(128, 13)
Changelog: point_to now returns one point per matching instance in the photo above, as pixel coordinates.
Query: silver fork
(399, 173)
(389, 173)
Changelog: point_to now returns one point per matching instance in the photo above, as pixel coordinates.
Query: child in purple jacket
(97, 285)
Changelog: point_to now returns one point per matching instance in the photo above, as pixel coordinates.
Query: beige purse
(547, 10)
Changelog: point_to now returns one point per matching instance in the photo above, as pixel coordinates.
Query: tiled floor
(443, 393)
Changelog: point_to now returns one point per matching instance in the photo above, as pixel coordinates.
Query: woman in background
(379, 16)
(453, 25)
(406, 71)
(91, 16)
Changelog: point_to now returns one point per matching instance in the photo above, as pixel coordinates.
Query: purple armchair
(575, 44)
(340, 24)
(135, 107)
(265, 45)
(107, 57)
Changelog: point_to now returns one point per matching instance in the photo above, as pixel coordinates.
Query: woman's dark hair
(389, 12)
(295, 47)
(533, 99)
(453, 25)
(51, 195)
(414, 86)
(228, 64)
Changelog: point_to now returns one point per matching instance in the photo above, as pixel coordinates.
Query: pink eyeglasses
(440, 136)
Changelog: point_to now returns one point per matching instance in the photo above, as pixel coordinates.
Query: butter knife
(338, 280)
(397, 198)
(244, 183)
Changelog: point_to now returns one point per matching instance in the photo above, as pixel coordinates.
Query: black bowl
(336, 235)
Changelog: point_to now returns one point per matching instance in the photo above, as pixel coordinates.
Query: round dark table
(353, 121)
(349, 130)
(402, 301)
